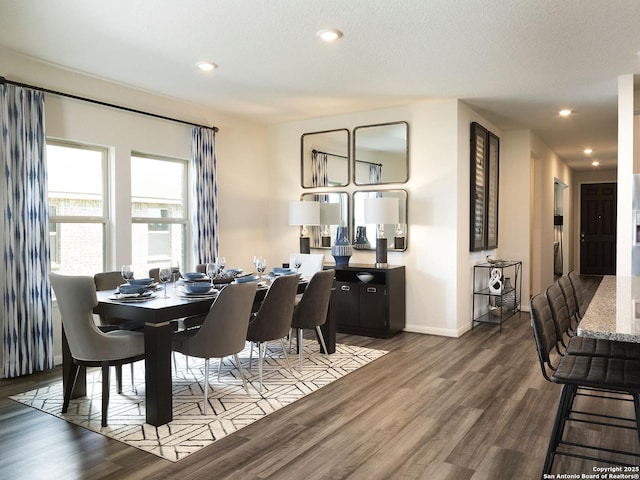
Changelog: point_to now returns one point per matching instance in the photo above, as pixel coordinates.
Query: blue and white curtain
(319, 178)
(375, 173)
(319, 174)
(204, 194)
(26, 295)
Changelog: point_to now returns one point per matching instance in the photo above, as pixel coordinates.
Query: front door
(598, 203)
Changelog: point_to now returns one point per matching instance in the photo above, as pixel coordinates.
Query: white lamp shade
(304, 213)
(381, 210)
(329, 214)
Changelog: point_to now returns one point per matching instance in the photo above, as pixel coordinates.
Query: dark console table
(376, 308)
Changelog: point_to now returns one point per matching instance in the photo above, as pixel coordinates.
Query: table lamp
(329, 215)
(303, 214)
(381, 211)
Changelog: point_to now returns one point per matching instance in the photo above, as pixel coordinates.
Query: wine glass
(127, 272)
(175, 271)
(297, 262)
(221, 262)
(211, 270)
(261, 264)
(164, 275)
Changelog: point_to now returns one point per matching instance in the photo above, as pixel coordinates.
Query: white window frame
(184, 221)
(103, 219)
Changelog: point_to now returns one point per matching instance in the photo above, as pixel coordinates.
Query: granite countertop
(614, 311)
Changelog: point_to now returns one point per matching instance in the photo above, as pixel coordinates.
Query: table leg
(159, 396)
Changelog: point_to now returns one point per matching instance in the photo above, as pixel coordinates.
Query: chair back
(108, 280)
(312, 309)
(559, 311)
(310, 263)
(569, 296)
(544, 331)
(76, 297)
(273, 319)
(224, 329)
(578, 291)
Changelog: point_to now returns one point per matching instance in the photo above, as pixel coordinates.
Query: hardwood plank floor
(471, 408)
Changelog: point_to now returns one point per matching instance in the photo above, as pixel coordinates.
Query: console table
(374, 309)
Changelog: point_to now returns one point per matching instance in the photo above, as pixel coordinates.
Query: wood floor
(476, 407)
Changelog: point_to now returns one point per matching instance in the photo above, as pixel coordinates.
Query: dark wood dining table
(157, 314)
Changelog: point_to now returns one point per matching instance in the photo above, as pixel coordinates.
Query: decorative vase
(342, 249)
(361, 239)
(509, 300)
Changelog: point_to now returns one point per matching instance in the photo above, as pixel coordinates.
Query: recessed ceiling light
(329, 35)
(588, 151)
(207, 66)
(565, 112)
(595, 163)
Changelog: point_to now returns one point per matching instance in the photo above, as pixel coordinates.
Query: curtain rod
(104, 104)
(342, 156)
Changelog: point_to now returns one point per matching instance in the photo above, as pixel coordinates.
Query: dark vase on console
(342, 249)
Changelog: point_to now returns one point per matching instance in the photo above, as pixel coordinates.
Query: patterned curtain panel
(375, 173)
(319, 178)
(319, 174)
(204, 194)
(26, 295)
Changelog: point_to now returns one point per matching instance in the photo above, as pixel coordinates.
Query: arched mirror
(364, 234)
(381, 153)
(334, 211)
(325, 158)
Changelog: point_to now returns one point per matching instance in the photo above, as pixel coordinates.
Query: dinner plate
(132, 298)
(183, 293)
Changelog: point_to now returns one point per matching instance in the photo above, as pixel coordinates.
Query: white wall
(625, 174)
(548, 168)
(438, 263)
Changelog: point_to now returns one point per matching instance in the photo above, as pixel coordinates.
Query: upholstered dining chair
(311, 310)
(578, 290)
(222, 333)
(272, 321)
(76, 297)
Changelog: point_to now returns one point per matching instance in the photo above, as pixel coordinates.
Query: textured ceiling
(515, 61)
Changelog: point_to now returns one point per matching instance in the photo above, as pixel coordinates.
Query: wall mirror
(334, 211)
(365, 235)
(325, 158)
(381, 153)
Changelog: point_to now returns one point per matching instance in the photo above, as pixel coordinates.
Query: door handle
(345, 288)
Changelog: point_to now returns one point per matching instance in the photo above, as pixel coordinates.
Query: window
(158, 210)
(78, 214)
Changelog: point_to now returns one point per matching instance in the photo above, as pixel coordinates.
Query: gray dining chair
(272, 321)
(222, 333)
(89, 346)
(311, 311)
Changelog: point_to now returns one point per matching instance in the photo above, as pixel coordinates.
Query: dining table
(614, 310)
(157, 313)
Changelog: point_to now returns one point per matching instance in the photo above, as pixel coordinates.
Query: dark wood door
(598, 202)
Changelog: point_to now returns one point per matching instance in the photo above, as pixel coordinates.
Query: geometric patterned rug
(229, 407)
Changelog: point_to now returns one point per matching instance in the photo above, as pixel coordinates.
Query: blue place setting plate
(197, 288)
(282, 271)
(141, 281)
(127, 289)
(247, 278)
(191, 276)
